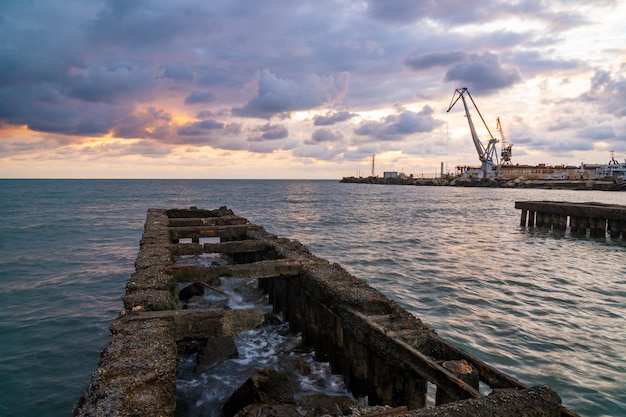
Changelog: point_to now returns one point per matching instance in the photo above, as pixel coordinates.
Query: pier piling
(597, 219)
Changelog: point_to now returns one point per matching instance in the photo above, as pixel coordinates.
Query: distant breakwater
(585, 185)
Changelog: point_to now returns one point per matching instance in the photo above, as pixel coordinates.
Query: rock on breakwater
(582, 185)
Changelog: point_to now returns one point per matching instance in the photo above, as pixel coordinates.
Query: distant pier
(596, 219)
(383, 352)
(453, 181)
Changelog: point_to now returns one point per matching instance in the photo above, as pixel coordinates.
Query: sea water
(544, 306)
(203, 389)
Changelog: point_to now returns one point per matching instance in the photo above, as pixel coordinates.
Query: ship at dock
(612, 170)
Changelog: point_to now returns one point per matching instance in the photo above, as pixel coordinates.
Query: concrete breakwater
(597, 219)
(588, 185)
(382, 351)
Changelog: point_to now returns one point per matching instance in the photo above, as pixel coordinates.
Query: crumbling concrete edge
(136, 374)
(137, 369)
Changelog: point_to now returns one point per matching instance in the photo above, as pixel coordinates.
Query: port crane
(507, 150)
(487, 155)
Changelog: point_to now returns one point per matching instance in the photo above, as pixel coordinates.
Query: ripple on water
(444, 242)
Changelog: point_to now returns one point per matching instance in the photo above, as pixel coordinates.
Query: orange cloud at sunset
(232, 89)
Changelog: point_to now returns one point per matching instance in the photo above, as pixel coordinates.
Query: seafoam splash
(201, 391)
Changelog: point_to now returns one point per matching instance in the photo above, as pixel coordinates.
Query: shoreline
(584, 185)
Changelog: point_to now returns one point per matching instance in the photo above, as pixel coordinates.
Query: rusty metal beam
(423, 365)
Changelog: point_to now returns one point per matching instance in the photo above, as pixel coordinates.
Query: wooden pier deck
(383, 352)
(597, 219)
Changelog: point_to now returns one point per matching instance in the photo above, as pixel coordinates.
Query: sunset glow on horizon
(303, 90)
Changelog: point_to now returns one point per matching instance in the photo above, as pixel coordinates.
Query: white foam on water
(201, 392)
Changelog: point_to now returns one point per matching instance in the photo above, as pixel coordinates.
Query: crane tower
(487, 155)
(507, 150)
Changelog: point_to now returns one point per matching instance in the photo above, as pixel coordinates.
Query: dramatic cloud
(457, 12)
(331, 118)
(100, 84)
(267, 147)
(269, 132)
(325, 135)
(178, 72)
(483, 72)
(144, 23)
(398, 126)
(601, 132)
(608, 91)
(563, 123)
(302, 82)
(200, 128)
(151, 123)
(277, 95)
(562, 146)
(323, 153)
(402, 11)
(427, 61)
(200, 97)
(532, 62)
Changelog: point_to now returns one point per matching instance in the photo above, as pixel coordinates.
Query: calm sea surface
(546, 307)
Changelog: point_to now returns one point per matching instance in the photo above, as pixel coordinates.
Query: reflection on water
(541, 305)
(544, 306)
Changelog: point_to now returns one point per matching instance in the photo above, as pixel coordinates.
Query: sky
(303, 89)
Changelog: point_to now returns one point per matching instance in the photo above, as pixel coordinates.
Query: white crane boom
(486, 155)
